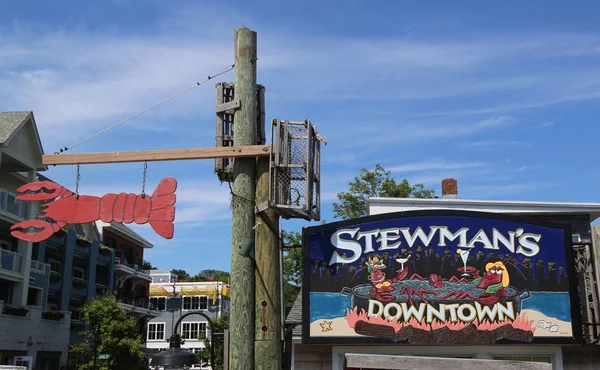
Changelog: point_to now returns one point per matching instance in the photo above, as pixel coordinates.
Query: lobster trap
(295, 170)
(225, 109)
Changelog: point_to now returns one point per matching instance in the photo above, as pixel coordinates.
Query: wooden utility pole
(241, 331)
(268, 289)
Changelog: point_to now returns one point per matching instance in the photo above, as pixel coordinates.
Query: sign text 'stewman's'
(517, 241)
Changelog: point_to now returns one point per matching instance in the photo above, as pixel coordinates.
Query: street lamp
(175, 356)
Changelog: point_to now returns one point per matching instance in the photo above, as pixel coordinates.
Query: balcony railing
(39, 266)
(142, 303)
(137, 267)
(10, 204)
(11, 261)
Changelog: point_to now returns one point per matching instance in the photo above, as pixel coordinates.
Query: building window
(78, 273)
(75, 315)
(192, 330)
(34, 297)
(109, 242)
(159, 303)
(195, 303)
(156, 331)
(54, 265)
(545, 359)
(225, 305)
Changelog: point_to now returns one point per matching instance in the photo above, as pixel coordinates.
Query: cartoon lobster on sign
(157, 209)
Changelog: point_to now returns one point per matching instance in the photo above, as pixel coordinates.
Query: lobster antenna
(356, 273)
(510, 262)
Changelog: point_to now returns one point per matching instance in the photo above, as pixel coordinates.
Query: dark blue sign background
(552, 242)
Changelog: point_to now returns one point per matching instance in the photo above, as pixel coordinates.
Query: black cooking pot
(359, 295)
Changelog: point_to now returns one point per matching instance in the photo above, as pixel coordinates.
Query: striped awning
(226, 291)
(159, 291)
(203, 291)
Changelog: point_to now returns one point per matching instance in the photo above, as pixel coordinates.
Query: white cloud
(436, 164)
(496, 144)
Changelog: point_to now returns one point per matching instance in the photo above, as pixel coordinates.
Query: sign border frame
(576, 314)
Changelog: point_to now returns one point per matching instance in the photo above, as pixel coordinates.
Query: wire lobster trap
(225, 109)
(295, 170)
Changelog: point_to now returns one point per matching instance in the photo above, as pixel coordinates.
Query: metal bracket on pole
(262, 207)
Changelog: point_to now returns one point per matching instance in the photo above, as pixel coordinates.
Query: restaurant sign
(439, 277)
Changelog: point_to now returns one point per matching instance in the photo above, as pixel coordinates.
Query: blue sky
(503, 97)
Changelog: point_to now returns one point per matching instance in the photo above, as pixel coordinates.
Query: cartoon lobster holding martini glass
(493, 281)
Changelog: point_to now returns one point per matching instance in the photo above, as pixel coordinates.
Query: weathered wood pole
(241, 331)
(268, 289)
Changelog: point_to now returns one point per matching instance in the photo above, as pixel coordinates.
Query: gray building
(172, 300)
(31, 333)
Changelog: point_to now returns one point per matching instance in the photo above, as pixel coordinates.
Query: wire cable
(217, 74)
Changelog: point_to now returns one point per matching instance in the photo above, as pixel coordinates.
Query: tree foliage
(117, 337)
(182, 275)
(376, 183)
(216, 275)
(220, 325)
(204, 275)
(292, 267)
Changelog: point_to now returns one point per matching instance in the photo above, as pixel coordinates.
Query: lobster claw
(436, 281)
(42, 230)
(41, 190)
(488, 299)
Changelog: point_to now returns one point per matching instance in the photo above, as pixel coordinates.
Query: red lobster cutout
(157, 209)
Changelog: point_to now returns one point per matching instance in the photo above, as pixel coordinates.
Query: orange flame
(353, 317)
(520, 322)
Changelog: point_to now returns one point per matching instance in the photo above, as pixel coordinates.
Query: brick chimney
(449, 189)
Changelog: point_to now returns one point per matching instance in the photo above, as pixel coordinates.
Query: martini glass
(402, 261)
(464, 255)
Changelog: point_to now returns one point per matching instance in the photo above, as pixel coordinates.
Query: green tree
(117, 337)
(182, 275)
(209, 274)
(376, 183)
(292, 266)
(220, 325)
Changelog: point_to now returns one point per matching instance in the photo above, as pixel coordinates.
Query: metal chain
(144, 180)
(77, 177)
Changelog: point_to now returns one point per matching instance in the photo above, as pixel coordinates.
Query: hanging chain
(144, 180)
(77, 183)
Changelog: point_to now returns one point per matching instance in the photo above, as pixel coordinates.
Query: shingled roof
(294, 317)
(10, 122)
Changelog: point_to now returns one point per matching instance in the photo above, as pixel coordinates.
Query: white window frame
(157, 325)
(82, 273)
(190, 323)
(75, 311)
(191, 305)
(51, 262)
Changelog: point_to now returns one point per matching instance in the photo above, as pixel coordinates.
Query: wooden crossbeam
(157, 155)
